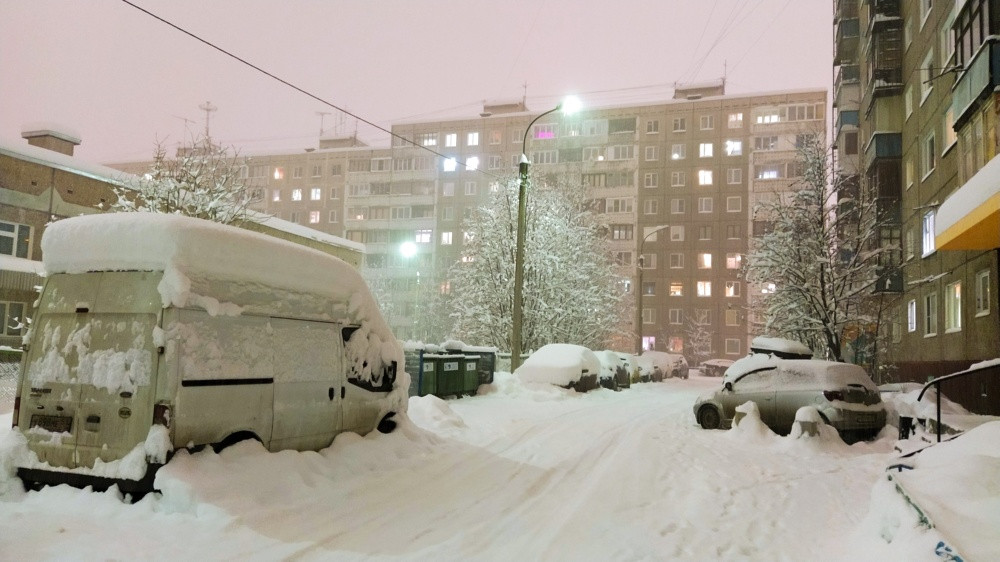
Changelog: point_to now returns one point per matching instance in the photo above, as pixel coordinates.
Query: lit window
(423, 237)
(678, 152)
(451, 140)
(544, 131)
(313, 217)
(705, 150)
(276, 195)
(911, 316)
(732, 288)
(704, 177)
(704, 288)
(472, 139)
(953, 307)
(733, 261)
(279, 173)
(677, 289)
(472, 163)
(296, 195)
(705, 261)
(734, 148)
(735, 120)
(928, 233)
(450, 165)
(315, 193)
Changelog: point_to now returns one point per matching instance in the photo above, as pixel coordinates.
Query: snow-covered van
(159, 332)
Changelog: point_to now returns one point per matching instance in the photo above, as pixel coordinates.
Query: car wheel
(709, 418)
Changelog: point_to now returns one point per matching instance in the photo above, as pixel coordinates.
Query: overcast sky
(122, 80)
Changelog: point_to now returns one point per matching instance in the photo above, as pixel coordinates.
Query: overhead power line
(294, 87)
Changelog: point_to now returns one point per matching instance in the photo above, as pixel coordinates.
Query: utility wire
(296, 88)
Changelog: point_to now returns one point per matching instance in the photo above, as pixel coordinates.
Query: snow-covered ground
(518, 472)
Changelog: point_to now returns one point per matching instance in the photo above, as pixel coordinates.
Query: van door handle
(342, 390)
(331, 393)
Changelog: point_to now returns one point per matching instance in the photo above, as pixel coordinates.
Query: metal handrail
(937, 382)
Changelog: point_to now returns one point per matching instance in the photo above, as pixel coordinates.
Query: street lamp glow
(408, 249)
(569, 105)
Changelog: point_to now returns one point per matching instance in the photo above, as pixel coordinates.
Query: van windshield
(113, 351)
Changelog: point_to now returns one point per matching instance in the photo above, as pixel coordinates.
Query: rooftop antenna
(524, 96)
(208, 108)
(322, 115)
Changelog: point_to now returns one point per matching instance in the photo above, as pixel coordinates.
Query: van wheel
(234, 439)
(387, 425)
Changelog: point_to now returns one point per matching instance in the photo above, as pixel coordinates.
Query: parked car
(613, 375)
(715, 367)
(667, 365)
(844, 394)
(562, 364)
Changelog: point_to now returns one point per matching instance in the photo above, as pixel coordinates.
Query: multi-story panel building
(674, 181)
(927, 137)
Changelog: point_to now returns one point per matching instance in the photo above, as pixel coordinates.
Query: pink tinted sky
(122, 80)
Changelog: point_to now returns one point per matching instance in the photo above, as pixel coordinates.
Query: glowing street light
(407, 249)
(568, 106)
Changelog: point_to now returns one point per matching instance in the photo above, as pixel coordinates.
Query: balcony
(883, 146)
(845, 118)
(845, 83)
(980, 77)
(845, 10)
(885, 11)
(845, 47)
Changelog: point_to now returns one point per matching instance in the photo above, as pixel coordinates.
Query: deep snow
(519, 472)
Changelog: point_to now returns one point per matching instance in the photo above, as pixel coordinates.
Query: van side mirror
(728, 386)
(389, 376)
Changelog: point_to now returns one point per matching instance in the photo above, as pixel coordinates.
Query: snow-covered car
(844, 395)
(562, 364)
(615, 372)
(715, 367)
(668, 365)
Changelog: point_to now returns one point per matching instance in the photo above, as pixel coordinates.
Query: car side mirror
(728, 386)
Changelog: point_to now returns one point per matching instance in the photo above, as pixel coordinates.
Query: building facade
(915, 115)
(675, 182)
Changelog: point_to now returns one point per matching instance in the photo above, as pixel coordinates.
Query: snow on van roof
(173, 243)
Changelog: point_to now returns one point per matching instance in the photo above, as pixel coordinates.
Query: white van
(159, 332)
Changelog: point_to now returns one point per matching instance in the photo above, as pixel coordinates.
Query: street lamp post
(567, 106)
(638, 293)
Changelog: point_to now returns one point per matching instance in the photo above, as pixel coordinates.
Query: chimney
(47, 136)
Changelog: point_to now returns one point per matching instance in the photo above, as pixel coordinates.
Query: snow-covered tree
(818, 262)
(571, 293)
(203, 180)
(698, 330)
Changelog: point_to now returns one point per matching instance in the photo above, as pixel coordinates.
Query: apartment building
(675, 181)
(41, 181)
(915, 82)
